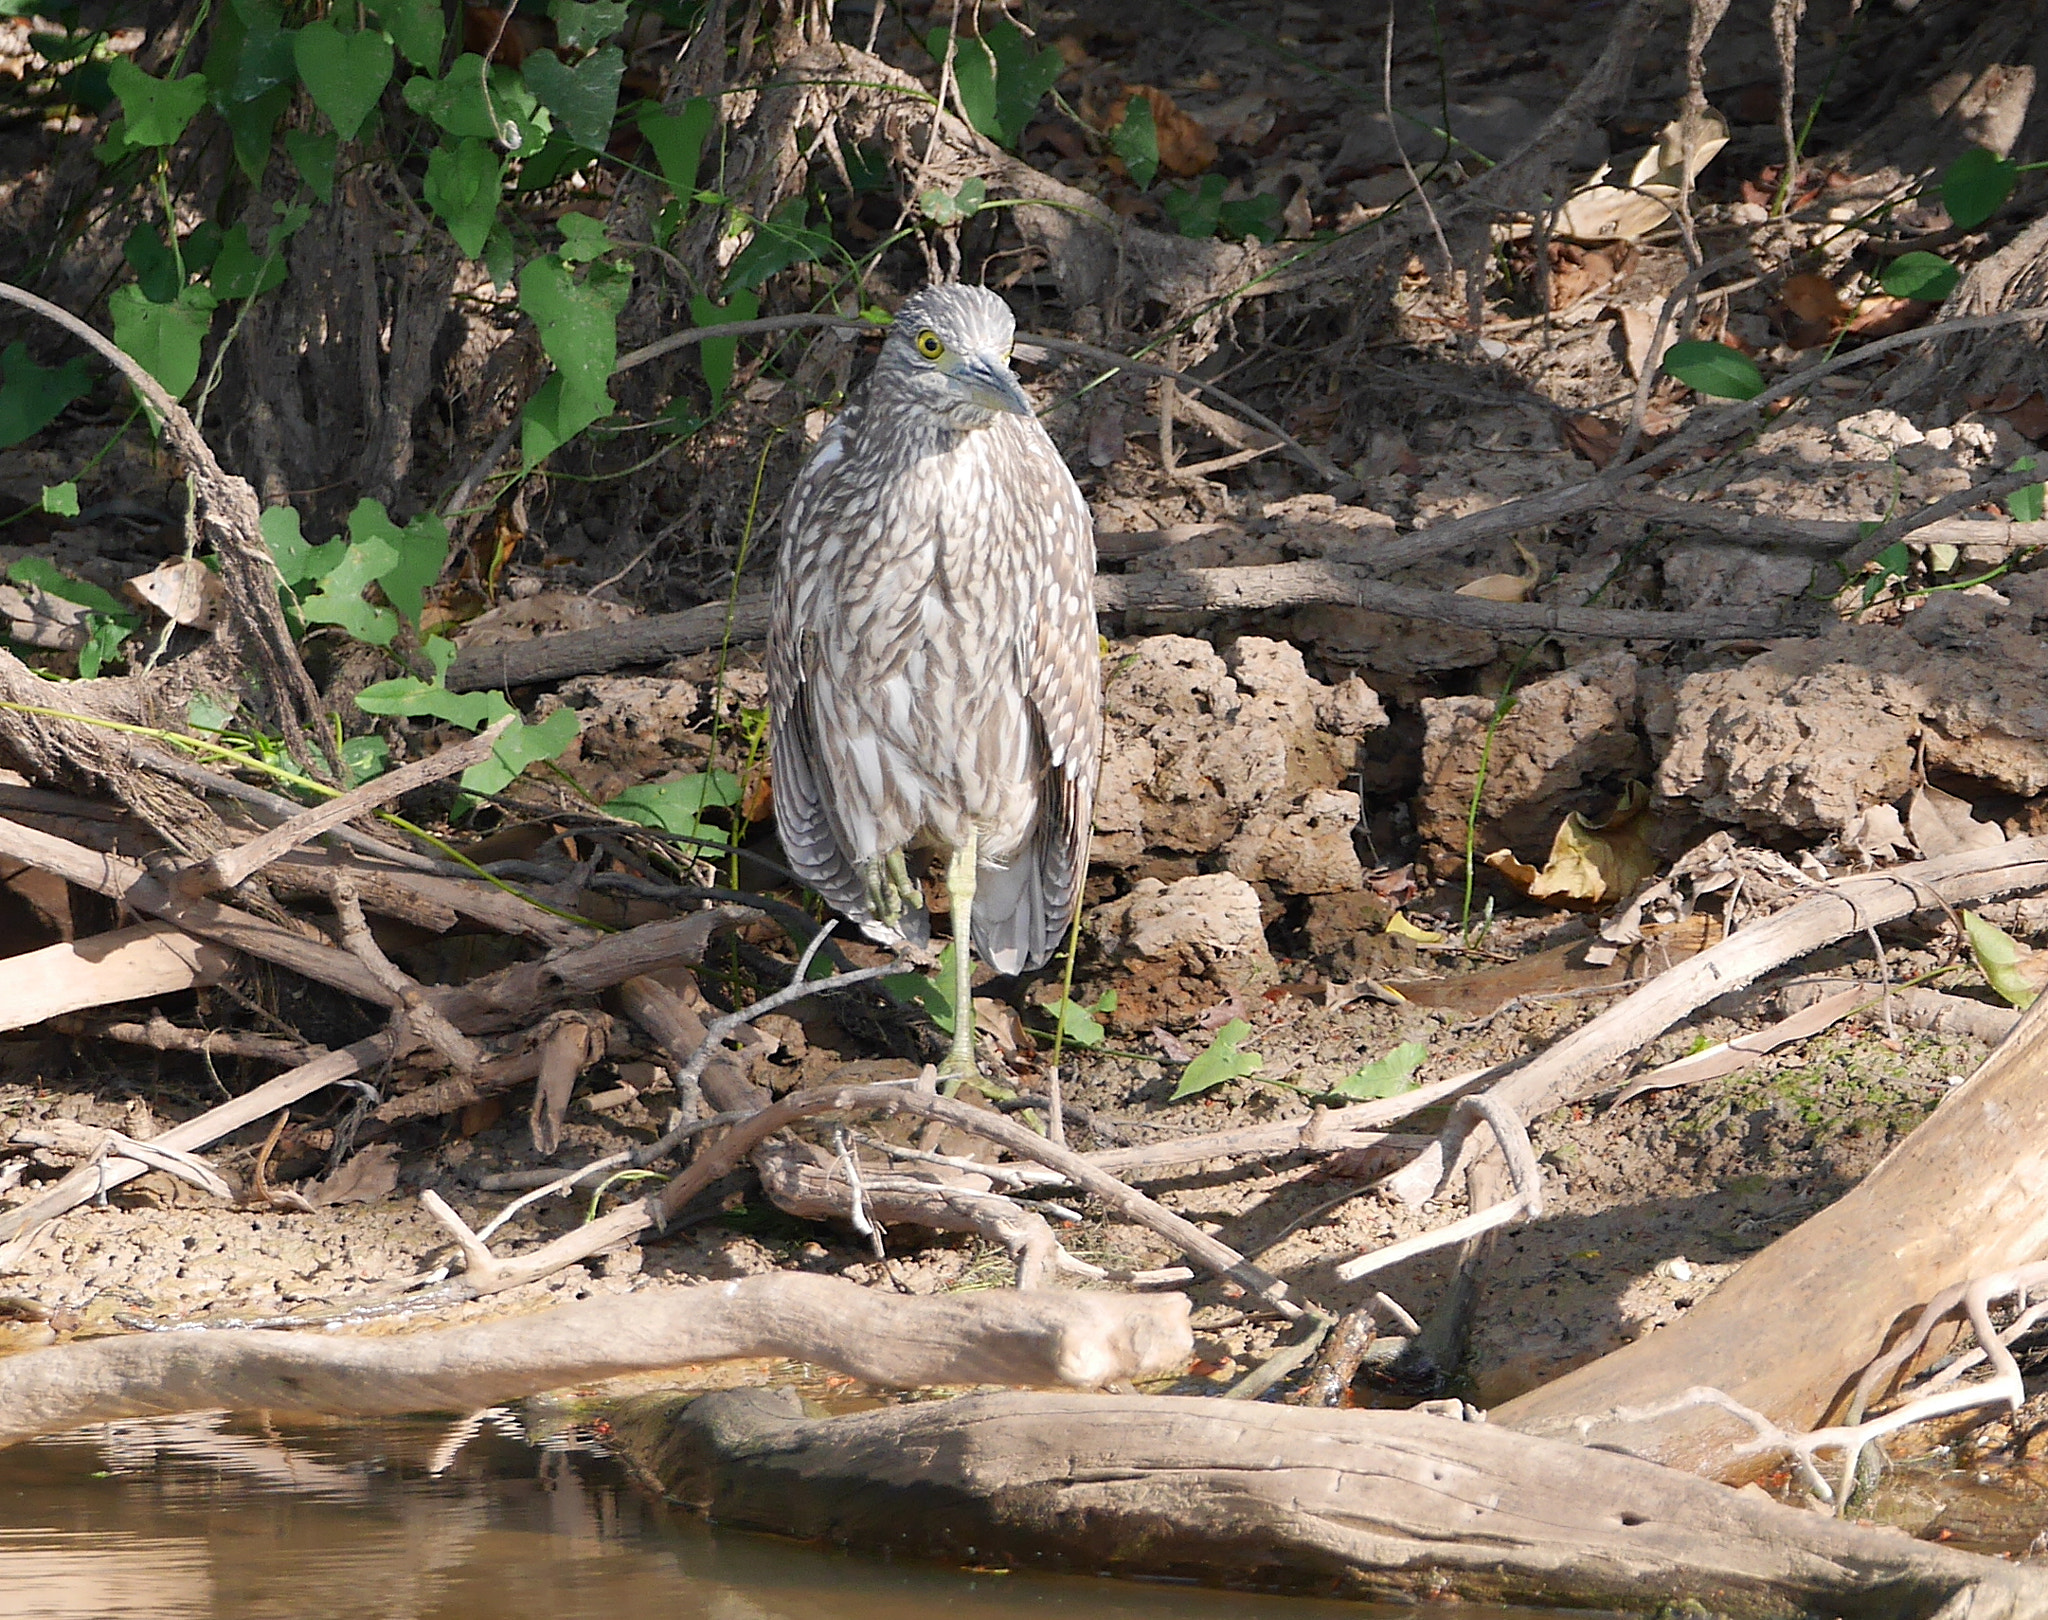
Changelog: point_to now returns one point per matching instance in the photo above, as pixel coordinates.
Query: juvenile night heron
(932, 655)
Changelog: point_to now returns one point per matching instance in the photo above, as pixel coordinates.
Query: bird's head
(949, 354)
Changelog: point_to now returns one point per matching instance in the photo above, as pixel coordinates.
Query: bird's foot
(961, 1069)
(890, 889)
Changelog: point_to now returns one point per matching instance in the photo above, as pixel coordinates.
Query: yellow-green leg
(960, 1065)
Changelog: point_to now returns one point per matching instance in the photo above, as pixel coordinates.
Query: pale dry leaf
(1943, 824)
(1877, 835)
(366, 1178)
(1602, 210)
(1591, 863)
(184, 590)
(1506, 587)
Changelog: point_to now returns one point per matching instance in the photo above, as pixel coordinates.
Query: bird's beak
(994, 387)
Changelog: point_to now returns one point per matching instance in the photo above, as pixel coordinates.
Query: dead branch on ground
(1083, 1340)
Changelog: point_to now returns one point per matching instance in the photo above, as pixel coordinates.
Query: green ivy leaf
(1895, 562)
(1136, 140)
(340, 598)
(462, 188)
(579, 24)
(578, 322)
(364, 759)
(974, 77)
(156, 267)
(717, 355)
(251, 124)
(2024, 505)
(313, 156)
(154, 112)
(521, 746)
(297, 562)
(476, 103)
(60, 500)
(103, 641)
(263, 61)
(1714, 368)
(678, 140)
(553, 417)
(239, 273)
(1199, 212)
(163, 339)
(1975, 187)
(32, 395)
(1023, 76)
(44, 575)
(416, 27)
(343, 73)
(1998, 957)
(1386, 1076)
(963, 205)
(205, 712)
(412, 698)
(778, 243)
(583, 98)
(678, 806)
(934, 993)
(1078, 1025)
(1925, 276)
(583, 239)
(1254, 216)
(420, 549)
(1219, 1061)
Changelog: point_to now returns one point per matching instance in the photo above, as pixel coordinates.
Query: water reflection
(215, 1518)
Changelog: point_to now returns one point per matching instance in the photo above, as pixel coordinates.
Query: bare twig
(412, 998)
(229, 867)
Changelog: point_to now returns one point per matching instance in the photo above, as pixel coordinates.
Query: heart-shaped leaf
(163, 339)
(578, 322)
(678, 141)
(154, 112)
(585, 22)
(583, 98)
(416, 27)
(462, 187)
(343, 73)
(32, 395)
(313, 156)
(482, 103)
(1219, 1061)
(521, 746)
(340, 598)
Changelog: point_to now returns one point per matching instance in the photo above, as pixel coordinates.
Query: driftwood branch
(128, 964)
(1002, 1337)
(1571, 1068)
(1959, 1200)
(230, 867)
(1387, 1505)
(1261, 588)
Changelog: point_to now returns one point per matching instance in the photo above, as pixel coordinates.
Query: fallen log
(1193, 590)
(999, 1336)
(1964, 1196)
(1376, 1505)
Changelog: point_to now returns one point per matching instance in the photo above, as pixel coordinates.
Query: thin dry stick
(461, 1053)
(900, 1097)
(227, 868)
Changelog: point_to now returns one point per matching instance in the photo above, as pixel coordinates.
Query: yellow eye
(928, 344)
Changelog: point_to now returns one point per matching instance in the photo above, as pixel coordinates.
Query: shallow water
(217, 1518)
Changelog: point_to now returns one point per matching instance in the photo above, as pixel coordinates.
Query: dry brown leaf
(2028, 417)
(1943, 824)
(1592, 437)
(185, 591)
(1505, 587)
(1877, 835)
(1185, 149)
(1602, 211)
(1591, 863)
(367, 1178)
(1884, 315)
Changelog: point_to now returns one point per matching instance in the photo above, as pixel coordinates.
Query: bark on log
(1000, 1336)
(1390, 1505)
(1964, 1196)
